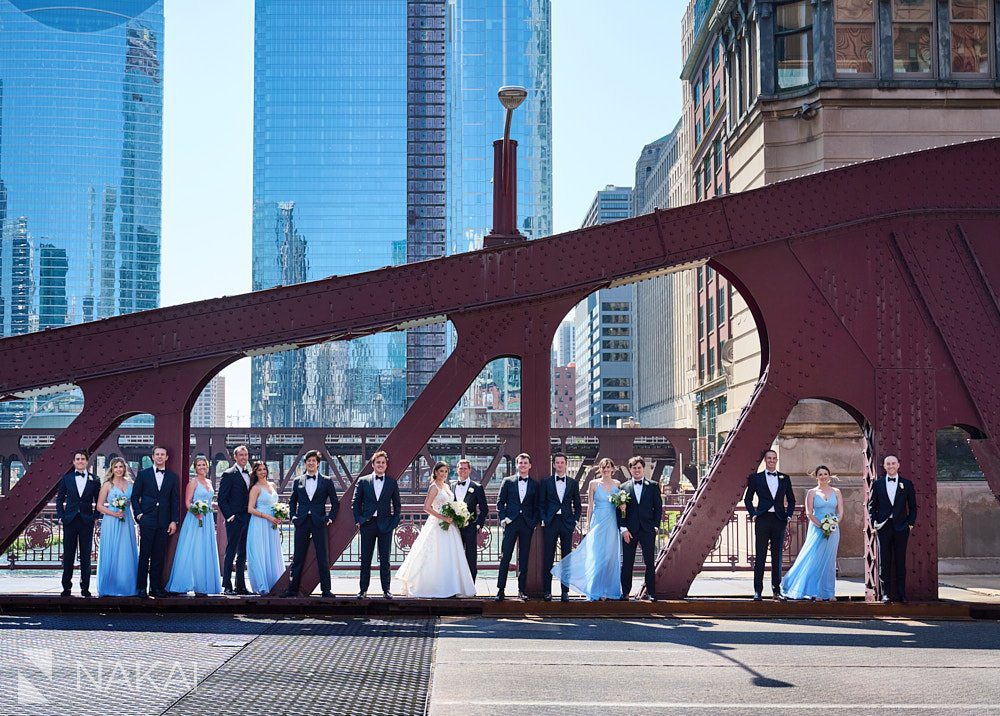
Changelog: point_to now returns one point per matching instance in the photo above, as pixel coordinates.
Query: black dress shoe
(778, 597)
(66, 593)
(86, 594)
(161, 593)
(500, 597)
(651, 597)
(522, 596)
(547, 598)
(229, 592)
(564, 598)
(327, 595)
(885, 600)
(757, 597)
(141, 593)
(243, 592)
(623, 598)
(387, 595)
(362, 595)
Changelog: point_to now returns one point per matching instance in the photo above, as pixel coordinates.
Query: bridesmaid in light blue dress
(196, 559)
(265, 561)
(118, 556)
(814, 574)
(594, 567)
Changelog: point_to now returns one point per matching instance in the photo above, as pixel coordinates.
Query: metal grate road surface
(322, 666)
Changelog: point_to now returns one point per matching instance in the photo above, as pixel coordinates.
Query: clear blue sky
(615, 84)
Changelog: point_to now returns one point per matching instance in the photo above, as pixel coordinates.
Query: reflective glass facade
(81, 97)
(373, 132)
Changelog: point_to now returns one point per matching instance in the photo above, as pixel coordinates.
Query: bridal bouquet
(458, 511)
(620, 499)
(119, 503)
(198, 508)
(279, 510)
(829, 525)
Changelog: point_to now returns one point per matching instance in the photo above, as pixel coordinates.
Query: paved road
(143, 664)
(715, 667)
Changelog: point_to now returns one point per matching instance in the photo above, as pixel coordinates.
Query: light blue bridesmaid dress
(196, 560)
(594, 567)
(118, 555)
(265, 561)
(814, 574)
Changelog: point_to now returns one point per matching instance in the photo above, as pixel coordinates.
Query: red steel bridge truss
(874, 286)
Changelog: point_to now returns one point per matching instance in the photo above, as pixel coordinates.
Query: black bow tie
(522, 479)
(310, 477)
(891, 479)
(79, 474)
(560, 479)
(379, 478)
(159, 472)
(771, 474)
(464, 483)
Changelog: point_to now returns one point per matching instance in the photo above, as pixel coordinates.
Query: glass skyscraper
(81, 97)
(373, 130)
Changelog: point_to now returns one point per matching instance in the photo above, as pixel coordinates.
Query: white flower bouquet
(279, 510)
(829, 525)
(120, 503)
(458, 512)
(620, 500)
(199, 508)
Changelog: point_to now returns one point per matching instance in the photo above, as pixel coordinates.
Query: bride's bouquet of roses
(458, 512)
(119, 503)
(199, 508)
(279, 510)
(829, 525)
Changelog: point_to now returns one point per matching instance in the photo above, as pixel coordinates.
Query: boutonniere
(782, 476)
(901, 487)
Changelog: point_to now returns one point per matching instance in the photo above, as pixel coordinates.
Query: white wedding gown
(436, 566)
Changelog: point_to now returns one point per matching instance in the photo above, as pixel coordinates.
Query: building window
(697, 186)
(717, 154)
(710, 314)
(854, 30)
(711, 363)
(701, 322)
(716, 96)
(701, 366)
(696, 95)
(720, 299)
(970, 37)
(794, 44)
(697, 133)
(912, 33)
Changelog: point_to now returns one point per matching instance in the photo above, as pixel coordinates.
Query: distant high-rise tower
(81, 107)
(376, 120)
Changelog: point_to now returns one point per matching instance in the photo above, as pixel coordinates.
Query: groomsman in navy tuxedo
(377, 512)
(156, 507)
(559, 509)
(234, 496)
(76, 502)
(517, 509)
(639, 525)
(474, 496)
(775, 507)
(307, 507)
(892, 508)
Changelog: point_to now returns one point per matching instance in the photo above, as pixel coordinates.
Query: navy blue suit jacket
(389, 508)
(509, 503)
(302, 508)
(644, 516)
(901, 514)
(70, 503)
(549, 504)
(783, 502)
(234, 495)
(155, 507)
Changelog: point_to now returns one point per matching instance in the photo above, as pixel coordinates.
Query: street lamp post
(505, 176)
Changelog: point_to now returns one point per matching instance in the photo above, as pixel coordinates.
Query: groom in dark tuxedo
(234, 496)
(156, 507)
(76, 502)
(892, 509)
(517, 510)
(775, 507)
(377, 512)
(474, 496)
(559, 509)
(307, 507)
(638, 524)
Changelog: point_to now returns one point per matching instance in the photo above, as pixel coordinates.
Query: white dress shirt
(81, 483)
(560, 490)
(311, 485)
(890, 487)
(461, 489)
(245, 475)
(378, 485)
(638, 491)
(772, 485)
(158, 474)
(522, 487)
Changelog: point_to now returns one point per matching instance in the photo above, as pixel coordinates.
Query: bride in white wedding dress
(436, 565)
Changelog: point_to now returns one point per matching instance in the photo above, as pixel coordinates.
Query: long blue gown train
(814, 574)
(196, 560)
(594, 567)
(118, 554)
